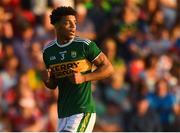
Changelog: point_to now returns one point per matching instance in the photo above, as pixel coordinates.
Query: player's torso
(73, 98)
(62, 59)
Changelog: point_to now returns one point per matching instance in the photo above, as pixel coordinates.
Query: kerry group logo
(65, 69)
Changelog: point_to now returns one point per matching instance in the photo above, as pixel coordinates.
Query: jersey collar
(65, 44)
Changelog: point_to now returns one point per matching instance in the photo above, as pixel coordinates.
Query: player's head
(64, 20)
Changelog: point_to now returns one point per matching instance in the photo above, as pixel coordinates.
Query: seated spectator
(44, 31)
(109, 47)
(8, 76)
(117, 92)
(160, 42)
(25, 115)
(150, 74)
(164, 103)
(85, 27)
(21, 44)
(144, 119)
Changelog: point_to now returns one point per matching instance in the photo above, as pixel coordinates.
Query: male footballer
(69, 60)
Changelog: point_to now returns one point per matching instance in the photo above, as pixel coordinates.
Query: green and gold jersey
(77, 54)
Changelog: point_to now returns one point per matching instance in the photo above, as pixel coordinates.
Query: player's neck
(62, 41)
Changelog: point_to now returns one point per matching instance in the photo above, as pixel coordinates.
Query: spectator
(150, 74)
(164, 102)
(144, 119)
(9, 75)
(85, 27)
(22, 44)
(23, 116)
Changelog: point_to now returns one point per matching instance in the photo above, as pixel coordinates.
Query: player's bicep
(100, 60)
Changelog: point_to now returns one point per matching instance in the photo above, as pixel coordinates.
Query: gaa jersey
(78, 55)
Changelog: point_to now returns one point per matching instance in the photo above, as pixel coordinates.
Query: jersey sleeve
(91, 51)
(45, 59)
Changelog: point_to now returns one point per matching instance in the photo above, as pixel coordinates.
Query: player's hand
(77, 77)
(49, 79)
(46, 74)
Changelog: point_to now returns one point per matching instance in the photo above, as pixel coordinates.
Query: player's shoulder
(82, 40)
(50, 44)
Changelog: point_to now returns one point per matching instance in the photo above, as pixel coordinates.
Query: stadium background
(140, 37)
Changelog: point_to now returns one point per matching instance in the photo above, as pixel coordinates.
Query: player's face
(67, 27)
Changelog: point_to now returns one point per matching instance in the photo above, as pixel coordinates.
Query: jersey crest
(73, 54)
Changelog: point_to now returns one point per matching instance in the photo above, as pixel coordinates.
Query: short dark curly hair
(61, 11)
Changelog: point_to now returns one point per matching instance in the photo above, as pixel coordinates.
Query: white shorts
(83, 122)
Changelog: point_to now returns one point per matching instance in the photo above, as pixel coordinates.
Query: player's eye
(66, 22)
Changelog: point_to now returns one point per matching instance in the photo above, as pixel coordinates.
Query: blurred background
(140, 37)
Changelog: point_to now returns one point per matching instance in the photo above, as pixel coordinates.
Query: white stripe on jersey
(49, 45)
(79, 39)
(82, 40)
(96, 57)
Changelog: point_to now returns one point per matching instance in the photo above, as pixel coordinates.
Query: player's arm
(49, 79)
(104, 68)
(99, 59)
(47, 75)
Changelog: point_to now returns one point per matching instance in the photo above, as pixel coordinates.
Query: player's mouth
(71, 32)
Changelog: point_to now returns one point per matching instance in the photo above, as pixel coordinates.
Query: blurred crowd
(140, 37)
